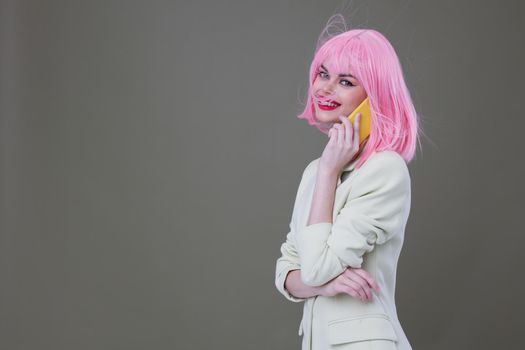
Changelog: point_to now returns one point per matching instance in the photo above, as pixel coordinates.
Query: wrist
(328, 173)
(321, 290)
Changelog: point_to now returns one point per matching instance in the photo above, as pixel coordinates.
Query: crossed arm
(321, 211)
(374, 211)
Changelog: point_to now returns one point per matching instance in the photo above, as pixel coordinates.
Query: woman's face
(343, 89)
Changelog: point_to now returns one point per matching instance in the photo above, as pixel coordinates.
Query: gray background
(150, 157)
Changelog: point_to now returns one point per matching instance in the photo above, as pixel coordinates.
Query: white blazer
(371, 209)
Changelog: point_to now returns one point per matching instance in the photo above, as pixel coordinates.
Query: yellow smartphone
(364, 122)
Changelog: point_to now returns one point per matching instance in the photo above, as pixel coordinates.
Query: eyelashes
(320, 74)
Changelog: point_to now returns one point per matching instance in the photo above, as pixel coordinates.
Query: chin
(323, 118)
(329, 120)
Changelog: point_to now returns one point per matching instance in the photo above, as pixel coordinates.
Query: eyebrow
(341, 75)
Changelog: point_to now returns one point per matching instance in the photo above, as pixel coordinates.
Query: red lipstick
(328, 108)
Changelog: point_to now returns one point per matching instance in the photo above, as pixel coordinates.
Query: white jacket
(371, 209)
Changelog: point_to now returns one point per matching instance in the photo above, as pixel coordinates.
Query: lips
(328, 108)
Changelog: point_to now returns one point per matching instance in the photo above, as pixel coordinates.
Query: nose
(327, 88)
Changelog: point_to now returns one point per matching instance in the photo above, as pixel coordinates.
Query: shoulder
(384, 167)
(385, 160)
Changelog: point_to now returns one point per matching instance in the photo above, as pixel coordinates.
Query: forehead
(337, 65)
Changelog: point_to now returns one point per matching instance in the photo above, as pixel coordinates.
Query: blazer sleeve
(289, 259)
(376, 209)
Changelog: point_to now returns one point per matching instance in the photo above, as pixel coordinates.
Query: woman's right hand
(355, 282)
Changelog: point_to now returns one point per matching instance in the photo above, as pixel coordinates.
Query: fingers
(345, 134)
(371, 282)
(362, 284)
(333, 134)
(354, 289)
(340, 131)
(357, 121)
(347, 126)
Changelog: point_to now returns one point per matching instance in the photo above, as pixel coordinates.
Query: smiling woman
(352, 205)
(346, 69)
(335, 93)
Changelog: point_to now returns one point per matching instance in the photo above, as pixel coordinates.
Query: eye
(321, 74)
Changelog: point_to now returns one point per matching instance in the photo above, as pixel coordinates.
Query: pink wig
(370, 57)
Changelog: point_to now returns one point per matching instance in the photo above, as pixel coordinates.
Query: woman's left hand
(342, 146)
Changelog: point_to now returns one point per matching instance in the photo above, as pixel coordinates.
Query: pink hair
(373, 61)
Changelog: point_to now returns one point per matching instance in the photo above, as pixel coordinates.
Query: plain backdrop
(150, 154)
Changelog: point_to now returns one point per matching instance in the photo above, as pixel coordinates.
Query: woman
(353, 202)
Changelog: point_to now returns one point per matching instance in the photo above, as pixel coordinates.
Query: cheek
(349, 99)
(354, 97)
